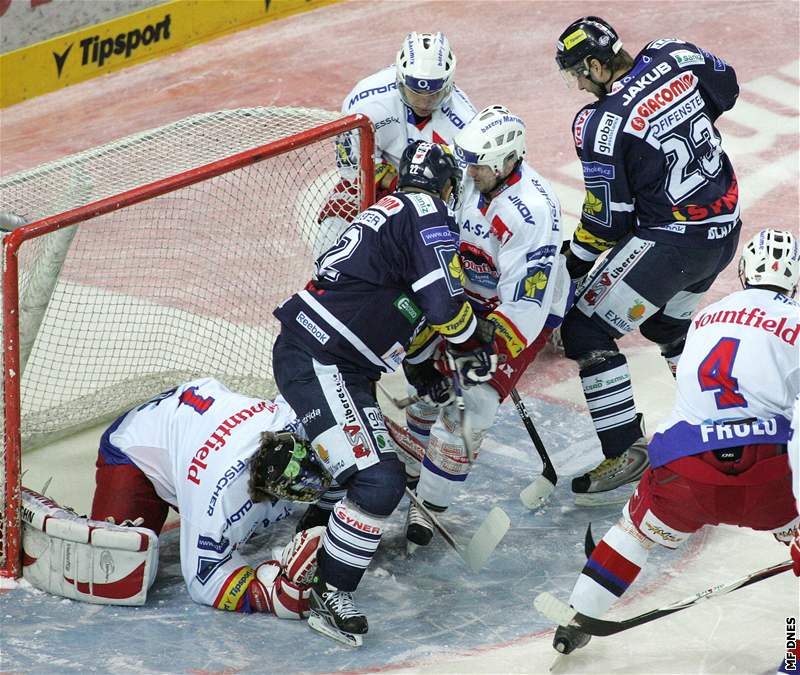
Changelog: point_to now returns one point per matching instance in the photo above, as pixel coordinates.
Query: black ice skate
(334, 615)
(568, 639)
(419, 529)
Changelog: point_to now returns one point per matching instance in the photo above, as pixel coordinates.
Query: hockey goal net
(155, 259)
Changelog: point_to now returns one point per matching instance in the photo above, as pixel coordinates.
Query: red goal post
(154, 259)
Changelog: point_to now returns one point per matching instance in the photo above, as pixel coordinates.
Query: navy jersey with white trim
(393, 275)
(652, 158)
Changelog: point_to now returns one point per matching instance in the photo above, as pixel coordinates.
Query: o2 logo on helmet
(423, 84)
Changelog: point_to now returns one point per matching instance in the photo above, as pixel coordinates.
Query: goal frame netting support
(10, 554)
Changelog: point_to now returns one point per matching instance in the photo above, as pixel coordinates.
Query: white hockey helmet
(491, 138)
(771, 258)
(426, 65)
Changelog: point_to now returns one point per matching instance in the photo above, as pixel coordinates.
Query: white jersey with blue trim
(377, 97)
(738, 377)
(195, 443)
(509, 250)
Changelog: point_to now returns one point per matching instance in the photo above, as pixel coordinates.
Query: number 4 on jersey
(716, 373)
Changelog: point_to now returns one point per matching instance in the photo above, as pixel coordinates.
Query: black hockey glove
(475, 361)
(576, 267)
(432, 387)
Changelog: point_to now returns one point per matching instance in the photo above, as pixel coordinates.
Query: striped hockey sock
(607, 387)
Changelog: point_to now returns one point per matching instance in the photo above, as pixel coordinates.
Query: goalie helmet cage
(158, 258)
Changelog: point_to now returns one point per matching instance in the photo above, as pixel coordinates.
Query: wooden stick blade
(554, 609)
(486, 538)
(537, 493)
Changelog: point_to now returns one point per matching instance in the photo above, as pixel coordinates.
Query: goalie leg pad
(87, 560)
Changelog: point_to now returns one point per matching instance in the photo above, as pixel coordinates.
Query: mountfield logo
(95, 50)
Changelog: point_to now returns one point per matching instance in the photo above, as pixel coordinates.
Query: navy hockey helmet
(588, 37)
(429, 167)
(286, 467)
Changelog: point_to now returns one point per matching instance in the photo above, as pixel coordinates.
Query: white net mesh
(181, 285)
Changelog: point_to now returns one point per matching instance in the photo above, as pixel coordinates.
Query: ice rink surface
(429, 613)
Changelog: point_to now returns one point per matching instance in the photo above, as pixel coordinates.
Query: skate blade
(618, 495)
(319, 624)
(559, 663)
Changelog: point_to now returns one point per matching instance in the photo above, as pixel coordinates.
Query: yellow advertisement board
(112, 45)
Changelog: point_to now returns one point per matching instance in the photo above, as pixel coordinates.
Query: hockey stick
(561, 613)
(540, 489)
(490, 532)
(485, 540)
(399, 403)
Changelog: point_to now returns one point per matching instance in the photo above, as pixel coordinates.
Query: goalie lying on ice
(214, 456)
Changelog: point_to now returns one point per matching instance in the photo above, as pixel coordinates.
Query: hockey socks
(607, 387)
(610, 570)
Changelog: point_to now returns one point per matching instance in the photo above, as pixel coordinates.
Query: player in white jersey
(721, 456)
(415, 99)
(510, 235)
(202, 450)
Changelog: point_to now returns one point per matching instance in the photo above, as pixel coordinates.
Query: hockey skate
(605, 483)
(334, 615)
(568, 638)
(419, 530)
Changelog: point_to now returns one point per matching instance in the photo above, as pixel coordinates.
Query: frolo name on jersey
(649, 77)
(728, 432)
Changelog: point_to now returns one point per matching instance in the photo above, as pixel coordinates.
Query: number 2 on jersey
(715, 372)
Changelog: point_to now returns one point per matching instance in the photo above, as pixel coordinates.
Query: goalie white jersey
(376, 97)
(194, 443)
(737, 379)
(509, 250)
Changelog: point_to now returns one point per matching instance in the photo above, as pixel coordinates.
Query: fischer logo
(97, 51)
(217, 440)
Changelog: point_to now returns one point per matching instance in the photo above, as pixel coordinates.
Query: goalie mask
(430, 167)
(771, 258)
(426, 68)
(285, 467)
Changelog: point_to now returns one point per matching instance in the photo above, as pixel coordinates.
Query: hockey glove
(299, 558)
(385, 180)
(273, 593)
(576, 267)
(795, 551)
(475, 361)
(433, 387)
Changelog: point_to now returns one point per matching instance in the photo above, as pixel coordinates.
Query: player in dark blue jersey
(662, 199)
(385, 291)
